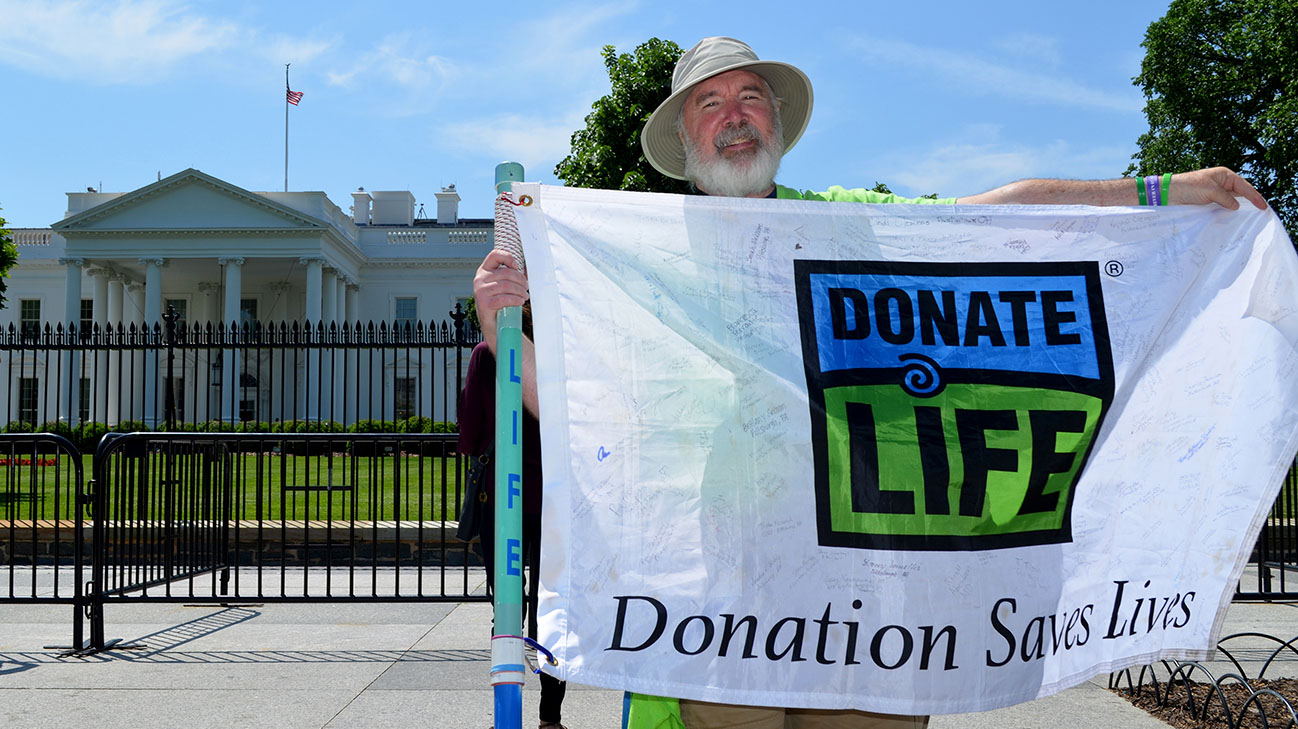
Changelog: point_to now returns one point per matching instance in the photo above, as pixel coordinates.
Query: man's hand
(1200, 187)
(498, 283)
(1216, 185)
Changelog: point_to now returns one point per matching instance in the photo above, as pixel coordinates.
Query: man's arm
(1200, 187)
(498, 284)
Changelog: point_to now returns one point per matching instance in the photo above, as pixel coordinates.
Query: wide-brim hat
(710, 57)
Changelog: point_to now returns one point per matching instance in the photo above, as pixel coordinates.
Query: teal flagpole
(507, 660)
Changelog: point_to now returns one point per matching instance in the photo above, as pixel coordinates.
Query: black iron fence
(284, 377)
(1275, 556)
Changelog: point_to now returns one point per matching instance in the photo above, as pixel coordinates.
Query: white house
(218, 253)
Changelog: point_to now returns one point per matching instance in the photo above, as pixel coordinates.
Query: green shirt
(856, 194)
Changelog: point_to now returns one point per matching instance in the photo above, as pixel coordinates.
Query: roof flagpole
(287, 93)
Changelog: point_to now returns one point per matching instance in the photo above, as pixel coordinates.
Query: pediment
(188, 201)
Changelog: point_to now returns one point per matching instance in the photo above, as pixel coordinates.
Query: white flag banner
(901, 458)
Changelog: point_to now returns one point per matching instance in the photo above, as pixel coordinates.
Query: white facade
(219, 253)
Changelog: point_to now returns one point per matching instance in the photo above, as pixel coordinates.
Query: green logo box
(953, 406)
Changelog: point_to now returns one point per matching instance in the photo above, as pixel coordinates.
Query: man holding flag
(725, 127)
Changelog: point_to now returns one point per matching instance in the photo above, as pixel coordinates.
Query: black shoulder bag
(476, 498)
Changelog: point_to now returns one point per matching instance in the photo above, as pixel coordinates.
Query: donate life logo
(953, 405)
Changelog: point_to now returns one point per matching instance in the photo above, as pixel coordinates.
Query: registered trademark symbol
(1113, 268)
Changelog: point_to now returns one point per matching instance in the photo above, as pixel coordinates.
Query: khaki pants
(702, 715)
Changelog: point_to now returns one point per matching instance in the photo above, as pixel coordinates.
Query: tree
(606, 154)
(471, 313)
(8, 257)
(1220, 79)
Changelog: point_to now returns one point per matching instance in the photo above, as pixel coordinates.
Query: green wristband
(1140, 191)
(1166, 193)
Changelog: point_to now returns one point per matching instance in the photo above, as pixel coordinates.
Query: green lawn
(265, 486)
(271, 486)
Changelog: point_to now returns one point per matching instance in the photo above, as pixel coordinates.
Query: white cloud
(397, 60)
(979, 160)
(972, 74)
(286, 49)
(134, 41)
(401, 72)
(537, 144)
(561, 46)
(1038, 50)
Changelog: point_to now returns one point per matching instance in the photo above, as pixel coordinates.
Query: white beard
(751, 175)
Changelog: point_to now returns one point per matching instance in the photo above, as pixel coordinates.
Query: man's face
(730, 127)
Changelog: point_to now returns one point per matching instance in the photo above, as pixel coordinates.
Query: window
(406, 314)
(87, 318)
(29, 389)
(83, 401)
(403, 398)
(29, 318)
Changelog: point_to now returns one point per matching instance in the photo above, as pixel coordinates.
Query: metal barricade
(273, 517)
(42, 522)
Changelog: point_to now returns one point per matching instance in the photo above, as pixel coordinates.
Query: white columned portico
(133, 305)
(134, 380)
(329, 312)
(152, 320)
(314, 284)
(233, 290)
(99, 293)
(343, 313)
(72, 289)
(207, 406)
(116, 286)
(96, 369)
(282, 370)
(343, 372)
(329, 297)
(353, 302)
(70, 384)
(207, 303)
(351, 395)
(152, 290)
(230, 318)
(312, 316)
(116, 290)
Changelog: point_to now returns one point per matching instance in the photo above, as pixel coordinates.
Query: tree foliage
(1220, 79)
(8, 257)
(606, 153)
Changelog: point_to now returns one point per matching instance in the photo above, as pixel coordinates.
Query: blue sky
(944, 97)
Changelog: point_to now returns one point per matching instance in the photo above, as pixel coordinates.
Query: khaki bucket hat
(708, 58)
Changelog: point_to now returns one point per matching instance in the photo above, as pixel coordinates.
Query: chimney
(393, 207)
(361, 207)
(448, 206)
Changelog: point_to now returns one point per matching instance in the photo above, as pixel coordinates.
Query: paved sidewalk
(340, 666)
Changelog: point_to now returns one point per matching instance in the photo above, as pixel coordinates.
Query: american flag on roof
(293, 96)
